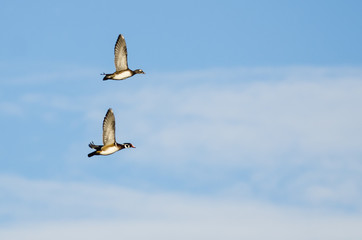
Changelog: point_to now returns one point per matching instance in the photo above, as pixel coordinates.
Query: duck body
(120, 61)
(110, 145)
(121, 75)
(108, 149)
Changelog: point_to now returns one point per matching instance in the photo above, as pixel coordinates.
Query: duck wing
(109, 127)
(120, 54)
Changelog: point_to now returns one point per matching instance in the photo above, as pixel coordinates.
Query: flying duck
(120, 60)
(109, 139)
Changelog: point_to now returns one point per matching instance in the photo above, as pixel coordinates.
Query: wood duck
(109, 140)
(120, 61)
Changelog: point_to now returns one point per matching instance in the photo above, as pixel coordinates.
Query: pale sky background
(247, 123)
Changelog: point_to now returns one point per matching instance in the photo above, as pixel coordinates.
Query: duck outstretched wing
(109, 128)
(120, 54)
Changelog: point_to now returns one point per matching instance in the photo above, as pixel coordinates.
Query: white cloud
(69, 210)
(263, 120)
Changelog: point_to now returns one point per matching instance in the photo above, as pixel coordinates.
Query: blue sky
(248, 118)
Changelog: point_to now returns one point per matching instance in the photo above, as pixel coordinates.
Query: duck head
(138, 71)
(128, 145)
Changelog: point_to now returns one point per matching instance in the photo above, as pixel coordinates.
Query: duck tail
(106, 76)
(92, 154)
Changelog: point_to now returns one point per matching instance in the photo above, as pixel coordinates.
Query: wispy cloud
(10, 109)
(289, 135)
